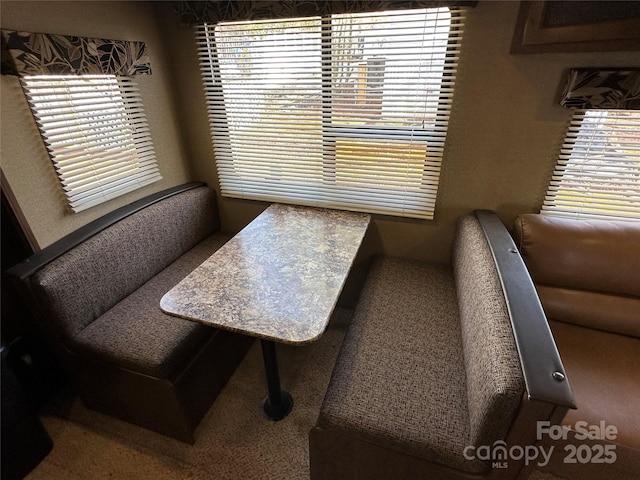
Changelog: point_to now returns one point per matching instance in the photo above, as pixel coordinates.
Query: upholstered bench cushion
(88, 280)
(149, 341)
(400, 378)
(495, 383)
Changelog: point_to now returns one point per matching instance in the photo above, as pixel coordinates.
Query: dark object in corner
(25, 442)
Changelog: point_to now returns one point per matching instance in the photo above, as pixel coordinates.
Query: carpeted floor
(233, 441)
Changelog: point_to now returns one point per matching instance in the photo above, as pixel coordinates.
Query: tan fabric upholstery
(399, 380)
(97, 294)
(103, 296)
(87, 281)
(150, 341)
(494, 375)
(427, 369)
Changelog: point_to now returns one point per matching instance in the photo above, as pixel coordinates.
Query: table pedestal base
(279, 403)
(277, 412)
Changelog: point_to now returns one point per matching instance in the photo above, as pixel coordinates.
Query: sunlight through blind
(97, 135)
(598, 171)
(348, 111)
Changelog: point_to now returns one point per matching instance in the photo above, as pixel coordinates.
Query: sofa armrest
(544, 374)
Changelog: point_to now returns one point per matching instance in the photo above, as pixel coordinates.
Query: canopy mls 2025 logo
(499, 453)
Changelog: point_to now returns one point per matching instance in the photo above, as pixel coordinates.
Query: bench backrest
(83, 283)
(495, 383)
(587, 272)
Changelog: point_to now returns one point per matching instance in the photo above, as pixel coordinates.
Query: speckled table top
(278, 279)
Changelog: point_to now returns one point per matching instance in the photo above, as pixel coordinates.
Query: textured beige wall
(23, 157)
(505, 131)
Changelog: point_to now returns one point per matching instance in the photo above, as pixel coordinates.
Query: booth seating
(441, 364)
(97, 291)
(587, 273)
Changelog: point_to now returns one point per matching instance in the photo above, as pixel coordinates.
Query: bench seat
(430, 371)
(151, 341)
(416, 401)
(96, 294)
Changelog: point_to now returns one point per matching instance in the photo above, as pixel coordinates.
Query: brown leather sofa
(587, 274)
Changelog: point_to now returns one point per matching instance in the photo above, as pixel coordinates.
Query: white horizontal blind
(346, 112)
(598, 171)
(97, 135)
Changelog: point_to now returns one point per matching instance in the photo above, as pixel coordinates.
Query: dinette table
(278, 279)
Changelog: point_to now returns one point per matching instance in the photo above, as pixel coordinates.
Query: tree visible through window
(348, 111)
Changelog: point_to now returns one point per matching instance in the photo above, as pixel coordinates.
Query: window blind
(97, 135)
(348, 111)
(598, 170)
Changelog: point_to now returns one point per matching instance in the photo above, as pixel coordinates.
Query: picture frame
(576, 26)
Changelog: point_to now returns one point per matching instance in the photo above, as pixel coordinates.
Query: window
(598, 172)
(96, 133)
(348, 111)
